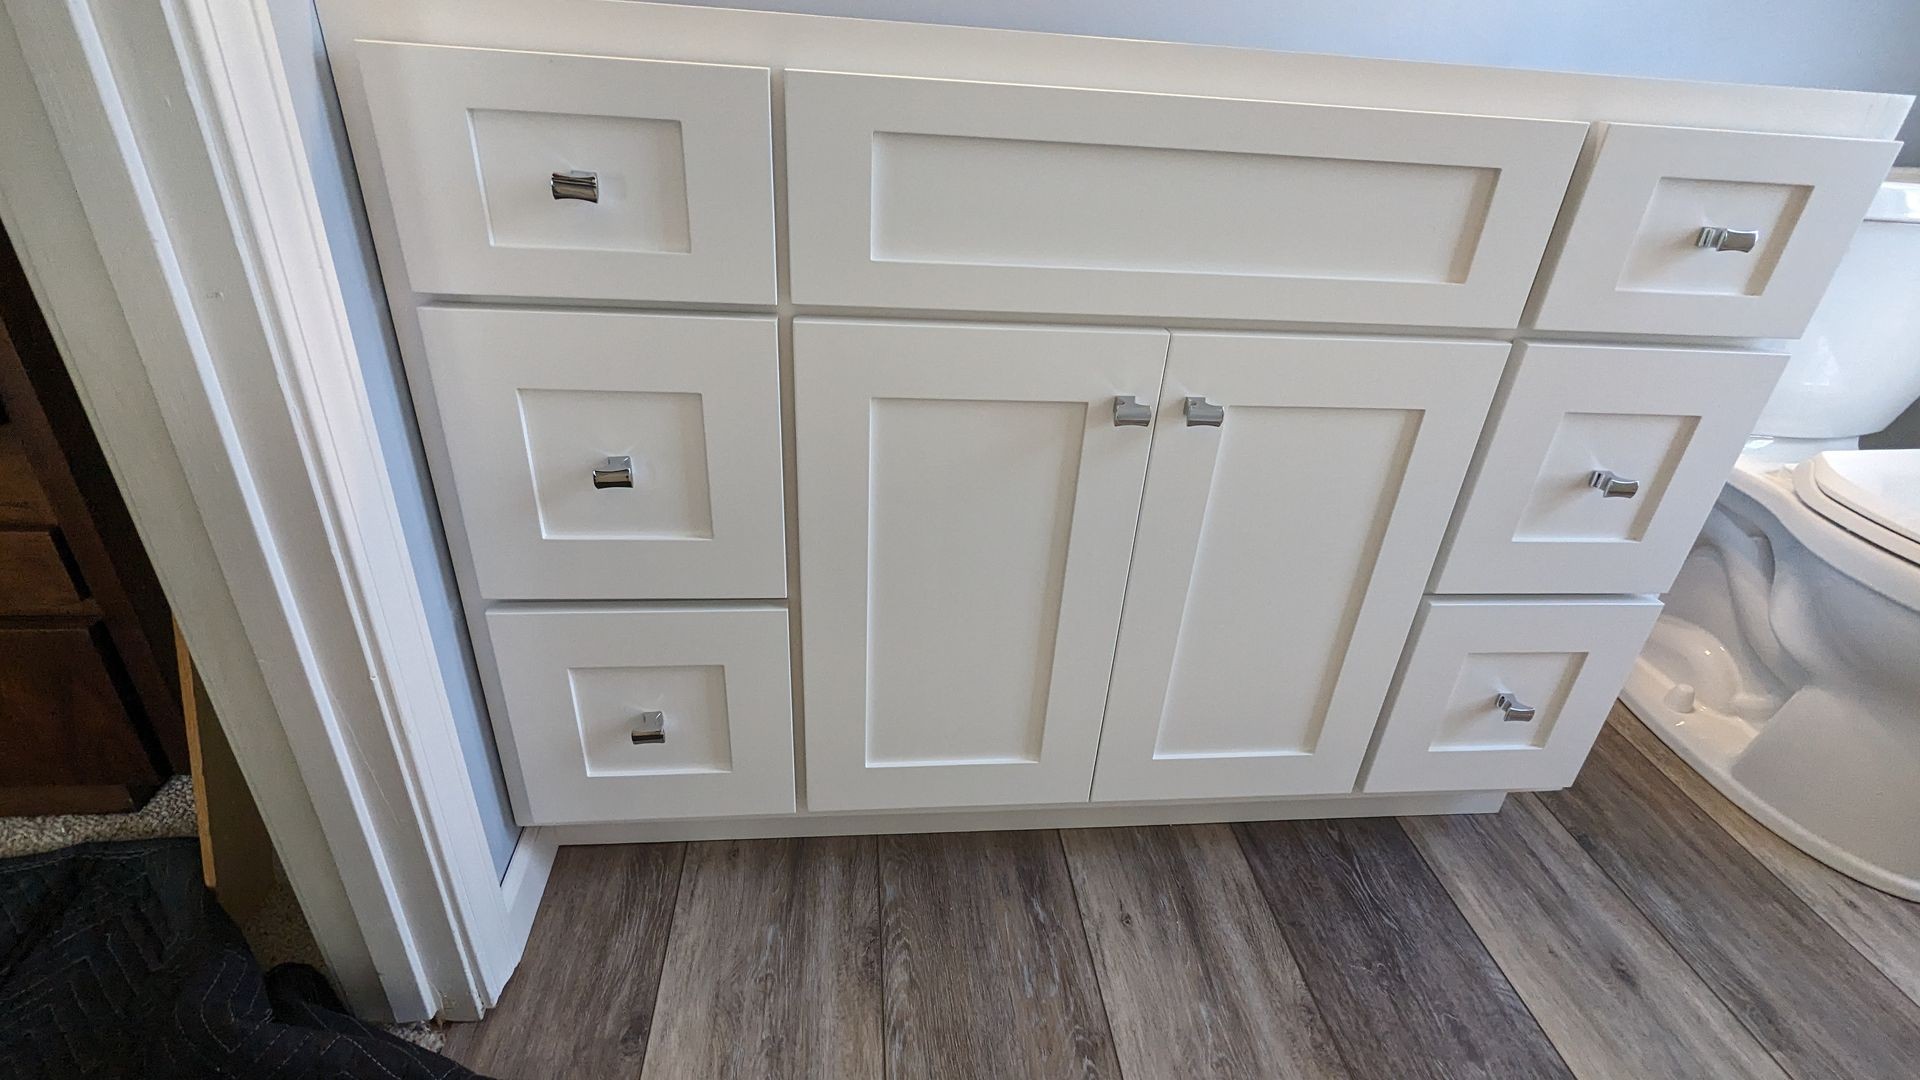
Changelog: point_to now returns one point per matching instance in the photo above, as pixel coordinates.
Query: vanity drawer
(1641, 254)
(673, 197)
(635, 713)
(532, 407)
(1666, 424)
(943, 194)
(1504, 694)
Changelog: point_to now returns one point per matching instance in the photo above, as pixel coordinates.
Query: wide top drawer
(937, 194)
(1710, 233)
(543, 175)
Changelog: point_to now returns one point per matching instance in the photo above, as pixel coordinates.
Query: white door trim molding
(259, 486)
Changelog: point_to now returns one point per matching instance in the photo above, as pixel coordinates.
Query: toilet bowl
(1786, 666)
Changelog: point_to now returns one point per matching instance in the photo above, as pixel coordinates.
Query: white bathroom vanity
(858, 426)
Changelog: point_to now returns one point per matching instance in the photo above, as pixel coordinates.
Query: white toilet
(1786, 667)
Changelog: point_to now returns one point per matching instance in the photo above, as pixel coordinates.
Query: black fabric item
(115, 961)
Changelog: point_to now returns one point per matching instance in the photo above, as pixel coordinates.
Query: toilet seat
(1883, 485)
(1874, 494)
(1877, 557)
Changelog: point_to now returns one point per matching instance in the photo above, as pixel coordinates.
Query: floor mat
(115, 961)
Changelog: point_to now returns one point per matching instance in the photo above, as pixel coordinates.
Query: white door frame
(156, 190)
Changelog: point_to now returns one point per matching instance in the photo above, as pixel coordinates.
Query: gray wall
(1842, 44)
(318, 111)
(1903, 432)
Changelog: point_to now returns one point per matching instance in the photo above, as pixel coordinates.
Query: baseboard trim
(521, 888)
(1053, 817)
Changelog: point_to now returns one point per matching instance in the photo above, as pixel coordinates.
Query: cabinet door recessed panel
(525, 174)
(938, 194)
(1505, 694)
(1715, 233)
(1281, 555)
(967, 505)
(600, 455)
(1602, 463)
(622, 714)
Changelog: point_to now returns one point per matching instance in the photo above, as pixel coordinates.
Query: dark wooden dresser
(90, 716)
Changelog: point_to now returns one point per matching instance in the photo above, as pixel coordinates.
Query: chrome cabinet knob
(577, 184)
(1717, 239)
(1513, 709)
(1204, 413)
(615, 472)
(1612, 485)
(1129, 411)
(651, 728)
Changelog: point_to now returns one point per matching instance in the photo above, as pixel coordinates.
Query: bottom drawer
(1504, 693)
(634, 713)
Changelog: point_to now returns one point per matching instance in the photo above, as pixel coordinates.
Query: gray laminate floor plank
(987, 972)
(582, 1001)
(1885, 929)
(1195, 975)
(773, 971)
(1406, 987)
(1614, 997)
(1814, 1002)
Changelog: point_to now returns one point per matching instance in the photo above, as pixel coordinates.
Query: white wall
(318, 110)
(1840, 44)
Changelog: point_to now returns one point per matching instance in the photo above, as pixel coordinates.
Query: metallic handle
(616, 472)
(652, 728)
(1513, 709)
(1718, 239)
(584, 186)
(1613, 487)
(1204, 413)
(1129, 412)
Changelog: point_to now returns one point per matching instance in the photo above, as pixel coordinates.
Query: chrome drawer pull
(1612, 486)
(584, 186)
(1512, 709)
(652, 728)
(1204, 413)
(616, 472)
(1129, 412)
(1717, 239)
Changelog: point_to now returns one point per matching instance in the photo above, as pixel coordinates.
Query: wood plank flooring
(1196, 978)
(772, 967)
(1635, 926)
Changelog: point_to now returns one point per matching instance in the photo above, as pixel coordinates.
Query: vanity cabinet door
(1297, 493)
(967, 504)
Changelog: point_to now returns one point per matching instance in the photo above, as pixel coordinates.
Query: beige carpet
(168, 813)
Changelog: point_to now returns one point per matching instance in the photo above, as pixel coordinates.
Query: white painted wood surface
(1281, 557)
(1672, 419)
(576, 680)
(531, 402)
(927, 193)
(470, 139)
(1442, 730)
(1629, 263)
(966, 512)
